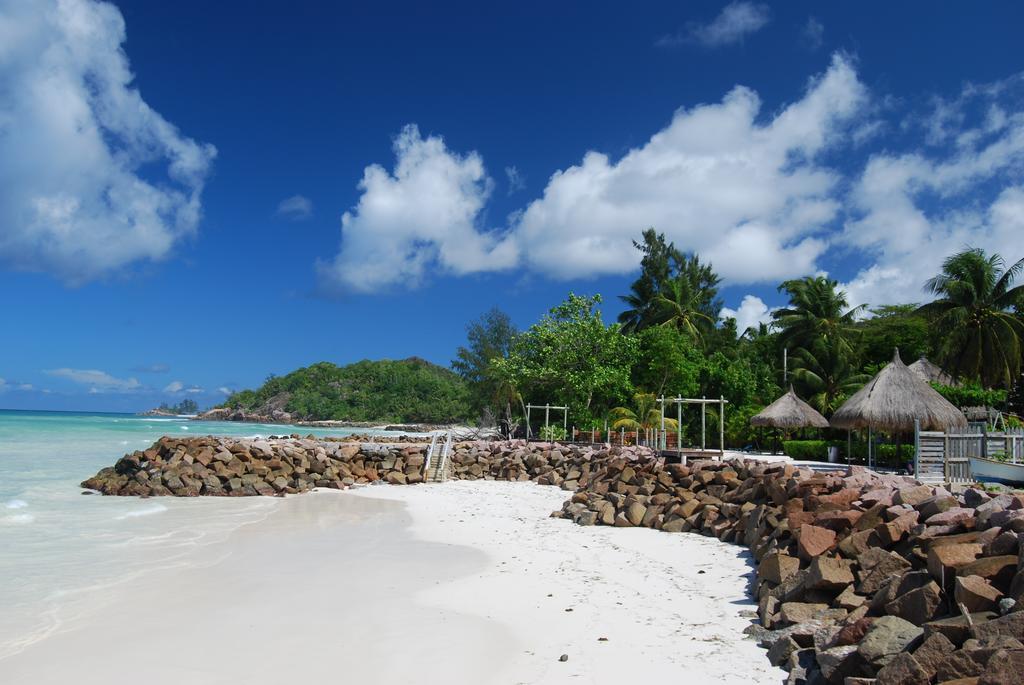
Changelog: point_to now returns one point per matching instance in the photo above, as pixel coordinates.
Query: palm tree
(817, 312)
(673, 289)
(644, 417)
(984, 339)
(681, 306)
(825, 376)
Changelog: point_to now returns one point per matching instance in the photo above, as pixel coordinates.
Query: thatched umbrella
(893, 400)
(930, 372)
(789, 411)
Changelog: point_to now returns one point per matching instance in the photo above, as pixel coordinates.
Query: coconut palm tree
(674, 289)
(825, 376)
(681, 306)
(984, 339)
(817, 311)
(644, 416)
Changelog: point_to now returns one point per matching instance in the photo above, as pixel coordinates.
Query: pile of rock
(861, 578)
(189, 467)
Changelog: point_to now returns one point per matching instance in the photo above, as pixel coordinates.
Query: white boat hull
(990, 471)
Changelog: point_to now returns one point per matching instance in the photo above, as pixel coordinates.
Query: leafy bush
(971, 395)
(817, 450)
(806, 450)
(552, 433)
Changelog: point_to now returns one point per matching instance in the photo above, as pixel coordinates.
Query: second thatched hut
(893, 400)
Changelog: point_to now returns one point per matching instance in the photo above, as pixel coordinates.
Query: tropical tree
(674, 289)
(571, 357)
(975, 297)
(487, 338)
(680, 305)
(667, 363)
(817, 312)
(890, 327)
(655, 270)
(824, 375)
(645, 415)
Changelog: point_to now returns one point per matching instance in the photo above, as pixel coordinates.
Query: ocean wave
(145, 511)
(17, 504)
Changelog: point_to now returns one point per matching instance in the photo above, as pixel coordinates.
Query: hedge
(817, 450)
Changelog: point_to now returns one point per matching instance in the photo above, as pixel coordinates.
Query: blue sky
(193, 196)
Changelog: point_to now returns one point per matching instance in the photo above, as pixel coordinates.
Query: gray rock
(887, 637)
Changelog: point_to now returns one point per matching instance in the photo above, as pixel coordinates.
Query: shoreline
(400, 576)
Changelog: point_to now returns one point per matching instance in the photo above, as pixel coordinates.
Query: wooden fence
(946, 457)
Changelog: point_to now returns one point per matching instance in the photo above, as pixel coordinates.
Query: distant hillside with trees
(407, 391)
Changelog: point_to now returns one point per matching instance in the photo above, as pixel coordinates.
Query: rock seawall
(212, 466)
(861, 578)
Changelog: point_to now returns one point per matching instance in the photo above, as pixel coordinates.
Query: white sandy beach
(462, 582)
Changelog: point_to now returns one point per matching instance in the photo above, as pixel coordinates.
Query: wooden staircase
(435, 467)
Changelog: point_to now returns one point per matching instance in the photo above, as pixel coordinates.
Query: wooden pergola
(703, 402)
(547, 416)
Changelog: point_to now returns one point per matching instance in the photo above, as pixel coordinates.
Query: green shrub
(806, 450)
(971, 395)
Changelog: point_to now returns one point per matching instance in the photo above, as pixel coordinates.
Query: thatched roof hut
(789, 411)
(893, 399)
(931, 373)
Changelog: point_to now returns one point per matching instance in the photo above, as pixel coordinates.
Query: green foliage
(552, 432)
(738, 431)
(824, 376)
(971, 395)
(667, 363)
(983, 338)
(186, 406)
(806, 450)
(645, 414)
(890, 327)
(571, 358)
(817, 450)
(488, 338)
(817, 313)
(410, 390)
(674, 290)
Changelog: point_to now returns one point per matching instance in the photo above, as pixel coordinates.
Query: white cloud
(224, 390)
(516, 182)
(295, 208)
(425, 212)
(751, 312)
(74, 136)
(734, 23)
(910, 211)
(813, 33)
(176, 387)
(745, 191)
(99, 381)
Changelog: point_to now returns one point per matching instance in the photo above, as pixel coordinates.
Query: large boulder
(887, 637)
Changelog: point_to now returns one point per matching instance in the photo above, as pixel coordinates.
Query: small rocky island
(862, 579)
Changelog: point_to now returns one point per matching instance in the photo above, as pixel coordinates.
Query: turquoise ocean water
(62, 552)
